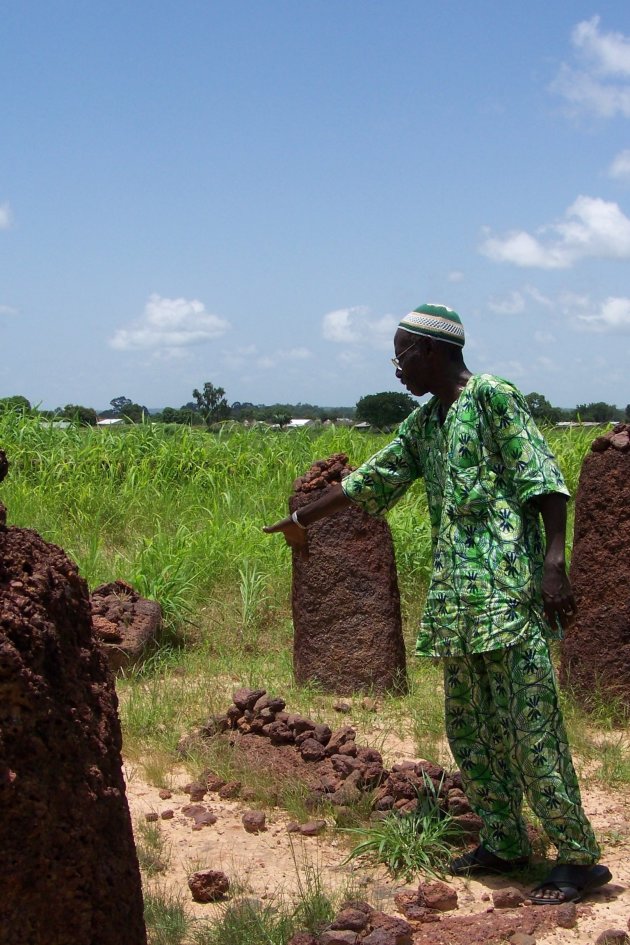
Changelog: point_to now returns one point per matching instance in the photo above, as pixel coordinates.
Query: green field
(177, 512)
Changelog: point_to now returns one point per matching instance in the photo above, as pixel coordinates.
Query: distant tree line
(210, 406)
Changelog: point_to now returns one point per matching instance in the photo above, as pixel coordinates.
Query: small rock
(353, 919)
(293, 827)
(342, 706)
(312, 828)
(338, 937)
(167, 814)
(303, 938)
(508, 898)
(348, 748)
(230, 790)
(612, 937)
(522, 938)
(214, 782)
(208, 885)
(312, 750)
(369, 704)
(437, 896)
(322, 733)
(388, 930)
(246, 699)
(359, 904)
(196, 789)
(620, 441)
(205, 819)
(254, 821)
(164, 795)
(566, 915)
(151, 817)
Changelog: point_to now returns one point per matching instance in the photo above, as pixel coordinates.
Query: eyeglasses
(396, 361)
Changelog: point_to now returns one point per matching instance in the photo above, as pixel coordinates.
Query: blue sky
(254, 193)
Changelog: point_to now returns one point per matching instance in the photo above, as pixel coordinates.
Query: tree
(541, 409)
(211, 403)
(628, 412)
(120, 405)
(386, 409)
(598, 412)
(16, 403)
(282, 419)
(86, 416)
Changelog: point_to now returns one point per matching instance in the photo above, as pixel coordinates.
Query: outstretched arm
(296, 535)
(558, 598)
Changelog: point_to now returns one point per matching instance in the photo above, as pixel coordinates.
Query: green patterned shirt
(480, 468)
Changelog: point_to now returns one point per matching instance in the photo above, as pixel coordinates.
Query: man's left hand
(558, 599)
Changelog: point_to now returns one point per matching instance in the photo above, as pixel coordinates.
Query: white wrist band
(295, 519)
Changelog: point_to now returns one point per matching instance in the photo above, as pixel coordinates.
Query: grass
(245, 920)
(407, 844)
(151, 847)
(166, 918)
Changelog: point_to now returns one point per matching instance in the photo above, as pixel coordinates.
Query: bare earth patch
(275, 862)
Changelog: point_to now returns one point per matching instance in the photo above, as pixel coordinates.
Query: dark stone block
(346, 604)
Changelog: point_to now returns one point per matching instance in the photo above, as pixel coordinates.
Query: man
(498, 593)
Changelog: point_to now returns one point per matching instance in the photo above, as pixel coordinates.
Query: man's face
(413, 370)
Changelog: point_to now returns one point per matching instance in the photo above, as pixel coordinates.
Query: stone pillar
(68, 867)
(346, 605)
(596, 649)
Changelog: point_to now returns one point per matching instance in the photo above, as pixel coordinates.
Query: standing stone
(346, 605)
(68, 870)
(596, 649)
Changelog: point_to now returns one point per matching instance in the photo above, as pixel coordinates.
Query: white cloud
(355, 326)
(591, 227)
(620, 167)
(514, 304)
(8, 310)
(544, 337)
(285, 356)
(613, 316)
(170, 323)
(6, 216)
(456, 276)
(600, 82)
(609, 53)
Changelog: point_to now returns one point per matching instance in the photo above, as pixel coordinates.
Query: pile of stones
(124, 623)
(617, 439)
(345, 770)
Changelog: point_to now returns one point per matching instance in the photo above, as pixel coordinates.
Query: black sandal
(572, 881)
(481, 860)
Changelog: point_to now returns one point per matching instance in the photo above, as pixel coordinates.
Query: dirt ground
(276, 862)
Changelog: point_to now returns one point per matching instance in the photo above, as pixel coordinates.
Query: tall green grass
(178, 512)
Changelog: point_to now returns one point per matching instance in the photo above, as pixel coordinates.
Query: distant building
(109, 422)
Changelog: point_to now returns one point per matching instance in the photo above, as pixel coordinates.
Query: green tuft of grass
(421, 841)
(151, 847)
(166, 918)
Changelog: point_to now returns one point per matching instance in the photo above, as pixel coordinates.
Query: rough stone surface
(346, 604)
(208, 885)
(254, 821)
(124, 623)
(566, 915)
(437, 896)
(68, 870)
(613, 937)
(596, 648)
(507, 898)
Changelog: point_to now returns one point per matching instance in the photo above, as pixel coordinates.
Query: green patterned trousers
(506, 732)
